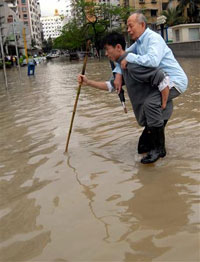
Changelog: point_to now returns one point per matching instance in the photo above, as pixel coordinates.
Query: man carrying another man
(142, 83)
(149, 49)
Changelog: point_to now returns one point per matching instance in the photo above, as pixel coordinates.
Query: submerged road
(97, 202)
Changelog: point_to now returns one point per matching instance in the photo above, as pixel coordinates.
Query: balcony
(153, 1)
(141, 1)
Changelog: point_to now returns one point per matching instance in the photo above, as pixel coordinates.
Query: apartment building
(29, 12)
(51, 26)
(111, 2)
(152, 8)
(12, 4)
(11, 26)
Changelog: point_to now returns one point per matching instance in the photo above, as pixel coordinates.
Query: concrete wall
(186, 49)
(184, 32)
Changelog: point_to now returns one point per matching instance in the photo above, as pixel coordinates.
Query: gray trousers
(142, 86)
(150, 112)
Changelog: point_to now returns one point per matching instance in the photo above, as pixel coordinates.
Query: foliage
(21, 59)
(47, 45)
(173, 16)
(72, 37)
(91, 21)
(8, 64)
(192, 9)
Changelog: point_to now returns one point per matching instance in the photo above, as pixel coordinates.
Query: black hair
(113, 39)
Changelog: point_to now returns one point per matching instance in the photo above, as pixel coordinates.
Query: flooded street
(97, 202)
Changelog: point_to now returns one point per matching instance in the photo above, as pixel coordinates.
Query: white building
(65, 8)
(51, 26)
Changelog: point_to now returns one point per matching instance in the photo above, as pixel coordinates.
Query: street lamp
(161, 20)
(16, 47)
(1, 46)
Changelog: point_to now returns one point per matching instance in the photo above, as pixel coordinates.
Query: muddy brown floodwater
(98, 202)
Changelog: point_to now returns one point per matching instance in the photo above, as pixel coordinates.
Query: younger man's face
(112, 52)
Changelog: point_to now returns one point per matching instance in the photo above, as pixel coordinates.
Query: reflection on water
(96, 203)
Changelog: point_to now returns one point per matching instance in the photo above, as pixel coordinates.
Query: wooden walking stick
(78, 93)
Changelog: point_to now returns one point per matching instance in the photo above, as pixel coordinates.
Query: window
(164, 6)
(153, 12)
(194, 34)
(177, 35)
(23, 2)
(24, 9)
(25, 16)
(10, 19)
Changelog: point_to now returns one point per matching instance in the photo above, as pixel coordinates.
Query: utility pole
(2, 51)
(3, 60)
(16, 48)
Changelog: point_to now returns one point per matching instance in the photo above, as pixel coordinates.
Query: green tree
(173, 16)
(47, 45)
(192, 9)
(72, 37)
(91, 21)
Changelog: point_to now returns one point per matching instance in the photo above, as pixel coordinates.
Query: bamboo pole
(77, 96)
(25, 44)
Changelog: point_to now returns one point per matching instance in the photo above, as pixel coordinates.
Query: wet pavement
(97, 202)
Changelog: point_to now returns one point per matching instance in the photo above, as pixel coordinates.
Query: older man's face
(134, 28)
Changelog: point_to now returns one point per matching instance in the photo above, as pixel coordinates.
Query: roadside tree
(91, 21)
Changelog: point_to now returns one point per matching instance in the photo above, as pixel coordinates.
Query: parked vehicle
(51, 56)
(73, 56)
(54, 54)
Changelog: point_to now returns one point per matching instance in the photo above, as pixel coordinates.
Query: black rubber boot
(161, 141)
(165, 123)
(157, 145)
(144, 144)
